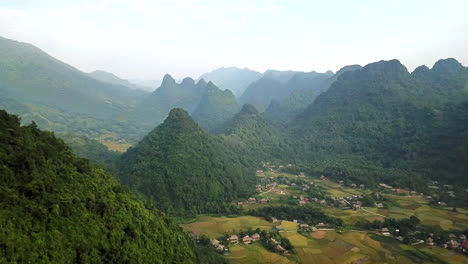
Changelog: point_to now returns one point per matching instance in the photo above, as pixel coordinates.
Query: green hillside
(254, 137)
(215, 107)
(381, 122)
(302, 90)
(31, 75)
(184, 169)
(57, 208)
(155, 107)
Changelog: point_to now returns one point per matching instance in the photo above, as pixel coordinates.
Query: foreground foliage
(57, 208)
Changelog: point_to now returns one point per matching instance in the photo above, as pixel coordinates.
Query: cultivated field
(215, 227)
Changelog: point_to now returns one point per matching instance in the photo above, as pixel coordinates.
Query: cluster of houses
(234, 239)
(253, 200)
(276, 168)
(353, 185)
(278, 245)
(455, 242)
(302, 225)
(353, 201)
(219, 247)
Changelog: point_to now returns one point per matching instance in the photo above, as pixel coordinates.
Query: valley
(367, 164)
(348, 243)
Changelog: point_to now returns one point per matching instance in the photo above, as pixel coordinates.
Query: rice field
(321, 246)
(357, 247)
(255, 254)
(215, 227)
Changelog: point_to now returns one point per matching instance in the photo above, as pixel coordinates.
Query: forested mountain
(232, 78)
(113, 79)
(61, 98)
(381, 122)
(92, 150)
(215, 107)
(57, 208)
(262, 91)
(155, 107)
(30, 75)
(184, 169)
(277, 85)
(254, 137)
(302, 90)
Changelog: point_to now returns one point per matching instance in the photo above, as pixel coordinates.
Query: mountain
(113, 79)
(30, 75)
(57, 208)
(184, 169)
(92, 150)
(147, 85)
(278, 85)
(383, 123)
(254, 137)
(303, 88)
(61, 98)
(262, 91)
(232, 78)
(216, 107)
(187, 95)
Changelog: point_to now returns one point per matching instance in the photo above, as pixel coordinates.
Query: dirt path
(267, 191)
(373, 213)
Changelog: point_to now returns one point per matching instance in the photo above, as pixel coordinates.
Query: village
(302, 190)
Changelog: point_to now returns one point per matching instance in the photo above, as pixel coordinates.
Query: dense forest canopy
(57, 208)
(381, 122)
(184, 169)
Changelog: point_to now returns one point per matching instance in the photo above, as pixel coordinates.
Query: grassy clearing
(255, 254)
(216, 226)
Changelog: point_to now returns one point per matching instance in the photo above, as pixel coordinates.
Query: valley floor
(327, 245)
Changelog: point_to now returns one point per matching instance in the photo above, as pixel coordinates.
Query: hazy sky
(146, 39)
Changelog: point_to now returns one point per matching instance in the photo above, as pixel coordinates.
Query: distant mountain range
(196, 147)
(360, 122)
(215, 107)
(147, 85)
(113, 79)
(232, 78)
(278, 85)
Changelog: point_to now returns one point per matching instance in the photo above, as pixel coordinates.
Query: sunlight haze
(146, 39)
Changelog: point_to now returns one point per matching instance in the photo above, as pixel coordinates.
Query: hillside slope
(215, 107)
(184, 169)
(57, 208)
(381, 122)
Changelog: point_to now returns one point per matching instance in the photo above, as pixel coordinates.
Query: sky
(145, 39)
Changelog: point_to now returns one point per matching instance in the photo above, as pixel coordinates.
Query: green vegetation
(57, 208)
(29, 74)
(381, 123)
(308, 214)
(215, 227)
(92, 150)
(215, 107)
(301, 92)
(154, 108)
(185, 170)
(253, 137)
